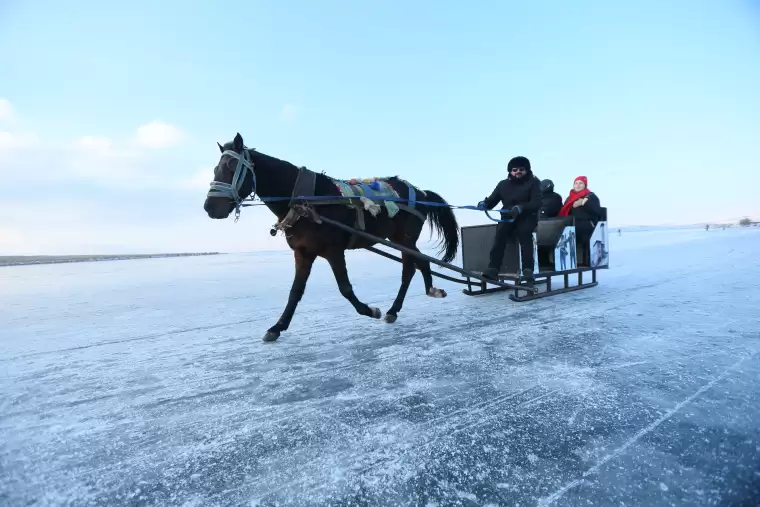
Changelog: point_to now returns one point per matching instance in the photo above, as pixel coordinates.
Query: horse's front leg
(337, 260)
(304, 262)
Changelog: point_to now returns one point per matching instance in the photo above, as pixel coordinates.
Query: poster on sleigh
(565, 252)
(599, 244)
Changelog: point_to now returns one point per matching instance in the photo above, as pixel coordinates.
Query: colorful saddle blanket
(370, 190)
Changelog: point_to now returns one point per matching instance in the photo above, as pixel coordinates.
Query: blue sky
(110, 111)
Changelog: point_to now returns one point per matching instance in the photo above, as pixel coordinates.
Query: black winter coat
(591, 211)
(551, 203)
(524, 192)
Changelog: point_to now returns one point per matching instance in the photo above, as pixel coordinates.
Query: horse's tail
(442, 218)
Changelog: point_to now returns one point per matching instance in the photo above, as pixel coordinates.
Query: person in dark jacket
(584, 206)
(520, 193)
(551, 201)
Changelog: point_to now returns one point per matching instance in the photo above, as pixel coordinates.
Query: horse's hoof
(376, 313)
(271, 336)
(390, 318)
(436, 293)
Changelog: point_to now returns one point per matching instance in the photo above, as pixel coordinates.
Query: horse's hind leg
(409, 240)
(304, 262)
(407, 273)
(410, 264)
(427, 277)
(337, 260)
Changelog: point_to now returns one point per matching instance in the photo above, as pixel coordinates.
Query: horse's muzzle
(217, 208)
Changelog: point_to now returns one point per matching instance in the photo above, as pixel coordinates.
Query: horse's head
(234, 180)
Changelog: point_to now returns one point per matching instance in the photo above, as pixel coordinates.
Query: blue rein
(401, 200)
(245, 163)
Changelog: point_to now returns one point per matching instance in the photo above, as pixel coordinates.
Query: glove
(481, 204)
(515, 211)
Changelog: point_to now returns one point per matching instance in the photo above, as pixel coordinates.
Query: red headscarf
(574, 196)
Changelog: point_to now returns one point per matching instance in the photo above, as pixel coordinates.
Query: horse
(241, 172)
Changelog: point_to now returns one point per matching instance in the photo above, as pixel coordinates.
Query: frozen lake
(146, 383)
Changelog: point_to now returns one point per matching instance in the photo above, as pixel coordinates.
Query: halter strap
(232, 190)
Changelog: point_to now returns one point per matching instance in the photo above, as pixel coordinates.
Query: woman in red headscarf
(582, 203)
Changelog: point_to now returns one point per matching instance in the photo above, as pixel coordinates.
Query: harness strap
(359, 224)
(305, 187)
(411, 210)
(305, 184)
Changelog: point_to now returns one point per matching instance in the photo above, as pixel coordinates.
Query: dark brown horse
(242, 171)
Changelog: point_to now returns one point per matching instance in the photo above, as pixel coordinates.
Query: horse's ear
(238, 142)
(221, 148)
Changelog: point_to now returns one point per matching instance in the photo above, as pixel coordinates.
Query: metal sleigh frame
(551, 237)
(476, 245)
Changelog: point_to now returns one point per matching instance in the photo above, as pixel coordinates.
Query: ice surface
(146, 383)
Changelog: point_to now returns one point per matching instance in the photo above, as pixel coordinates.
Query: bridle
(232, 190)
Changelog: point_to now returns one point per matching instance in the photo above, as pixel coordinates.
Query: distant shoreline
(26, 260)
